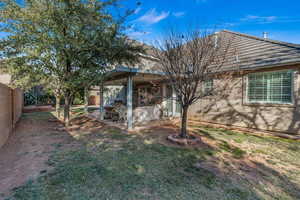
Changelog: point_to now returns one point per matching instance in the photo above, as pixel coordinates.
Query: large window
(208, 87)
(270, 87)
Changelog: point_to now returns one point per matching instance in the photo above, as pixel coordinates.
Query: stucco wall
(147, 113)
(5, 78)
(11, 104)
(94, 98)
(114, 93)
(231, 108)
(111, 94)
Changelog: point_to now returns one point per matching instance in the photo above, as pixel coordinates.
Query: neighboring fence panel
(5, 113)
(18, 104)
(11, 105)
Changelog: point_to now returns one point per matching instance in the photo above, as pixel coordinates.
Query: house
(264, 89)
(5, 78)
(112, 94)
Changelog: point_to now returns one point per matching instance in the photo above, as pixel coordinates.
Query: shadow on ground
(94, 161)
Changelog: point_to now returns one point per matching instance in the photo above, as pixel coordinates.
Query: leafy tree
(71, 42)
(26, 77)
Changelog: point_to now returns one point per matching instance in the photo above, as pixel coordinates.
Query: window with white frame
(208, 86)
(270, 87)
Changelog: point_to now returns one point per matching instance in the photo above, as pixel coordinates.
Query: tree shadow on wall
(230, 109)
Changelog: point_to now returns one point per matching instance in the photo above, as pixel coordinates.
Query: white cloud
(229, 24)
(178, 14)
(137, 10)
(152, 16)
(138, 33)
(256, 19)
(259, 19)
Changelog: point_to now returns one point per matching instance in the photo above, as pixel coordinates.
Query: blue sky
(281, 19)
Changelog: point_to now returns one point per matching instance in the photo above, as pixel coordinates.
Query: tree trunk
(86, 99)
(183, 133)
(67, 110)
(57, 106)
(67, 93)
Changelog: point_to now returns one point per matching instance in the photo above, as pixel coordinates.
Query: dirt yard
(25, 155)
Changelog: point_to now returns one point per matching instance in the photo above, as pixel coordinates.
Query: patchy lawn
(270, 165)
(79, 110)
(107, 163)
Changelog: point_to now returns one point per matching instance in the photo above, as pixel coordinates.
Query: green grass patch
(124, 167)
(144, 172)
(80, 110)
(235, 151)
(38, 115)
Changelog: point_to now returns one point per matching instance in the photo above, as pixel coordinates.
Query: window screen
(270, 87)
(208, 87)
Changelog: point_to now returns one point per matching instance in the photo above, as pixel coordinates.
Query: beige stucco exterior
(5, 79)
(94, 97)
(231, 108)
(111, 93)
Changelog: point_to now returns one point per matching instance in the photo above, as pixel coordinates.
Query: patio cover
(120, 75)
(128, 76)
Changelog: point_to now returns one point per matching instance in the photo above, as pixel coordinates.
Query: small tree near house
(190, 61)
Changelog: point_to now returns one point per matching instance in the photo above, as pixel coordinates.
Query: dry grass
(112, 164)
(271, 165)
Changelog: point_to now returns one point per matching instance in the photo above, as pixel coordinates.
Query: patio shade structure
(129, 77)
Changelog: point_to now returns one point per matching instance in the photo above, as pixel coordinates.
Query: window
(270, 87)
(149, 95)
(208, 87)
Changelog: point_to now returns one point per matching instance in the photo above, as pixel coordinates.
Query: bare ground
(24, 156)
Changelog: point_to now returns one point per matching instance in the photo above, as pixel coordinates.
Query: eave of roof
(297, 46)
(135, 70)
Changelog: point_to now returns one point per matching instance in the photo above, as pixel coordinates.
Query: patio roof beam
(136, 70)
(129, 102)
(117, 77)
(124, 71)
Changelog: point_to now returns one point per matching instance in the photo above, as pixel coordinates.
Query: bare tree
(190, 61)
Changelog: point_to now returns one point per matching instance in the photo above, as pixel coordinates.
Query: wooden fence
(11, 105)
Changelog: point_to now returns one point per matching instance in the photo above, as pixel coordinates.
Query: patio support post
(173, 102)
(164, 94)
(129, 103)
(164, 99)
(101, 101)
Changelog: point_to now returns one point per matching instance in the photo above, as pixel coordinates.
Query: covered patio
(147, 96)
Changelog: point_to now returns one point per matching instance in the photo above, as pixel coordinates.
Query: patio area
(138, 126)
(144, 96)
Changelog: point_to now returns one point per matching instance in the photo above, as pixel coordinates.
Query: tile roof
(254, 52)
